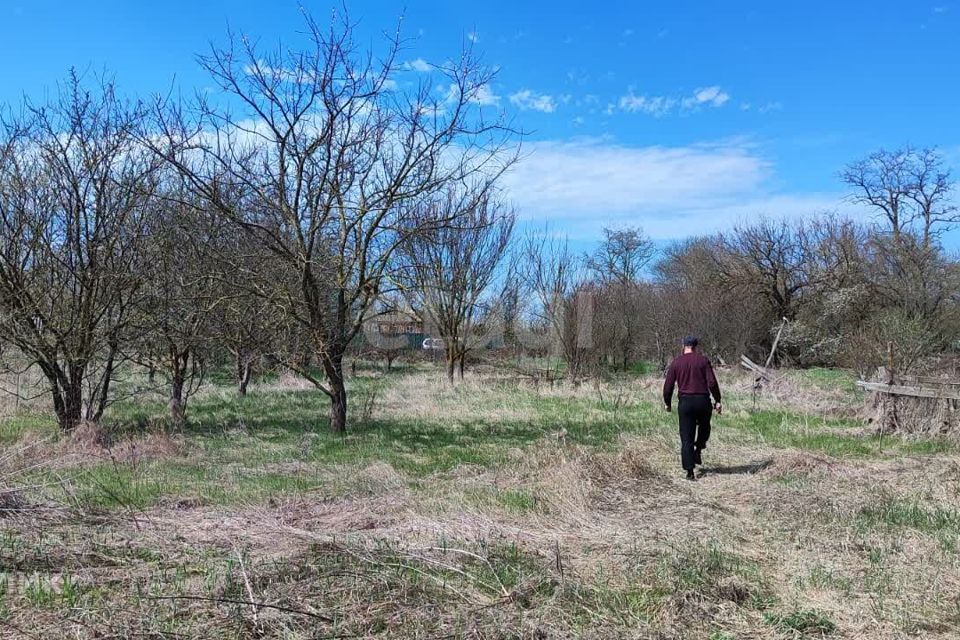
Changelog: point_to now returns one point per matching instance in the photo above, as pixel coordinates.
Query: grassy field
(495, 509)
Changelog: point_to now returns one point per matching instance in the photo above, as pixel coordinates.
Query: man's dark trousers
(694, 412)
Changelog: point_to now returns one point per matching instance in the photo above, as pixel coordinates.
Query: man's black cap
(691, 341)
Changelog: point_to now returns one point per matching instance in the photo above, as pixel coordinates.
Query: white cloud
(671, 191)
(771, 106)
(419, 64)
(484, 96)
(390, 85)
(473, 36)
(713, 96)
(658, 106)
(530, 100)
(708, 96)
(653, 105)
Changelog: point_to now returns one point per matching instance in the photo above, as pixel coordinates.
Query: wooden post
(890, 377)
(776, 341)
(890, 407)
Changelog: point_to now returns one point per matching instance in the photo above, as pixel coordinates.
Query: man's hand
(668, 408)
(718, 408)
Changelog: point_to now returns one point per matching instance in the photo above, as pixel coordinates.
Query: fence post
(890, 398)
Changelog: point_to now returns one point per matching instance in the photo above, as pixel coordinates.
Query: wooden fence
(915, 387)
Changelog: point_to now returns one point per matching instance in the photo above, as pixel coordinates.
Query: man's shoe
(691, 476)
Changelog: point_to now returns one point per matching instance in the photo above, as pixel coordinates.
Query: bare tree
(881, 180)
(555, 282)
(904, 274)
(329, 158)
(174, 318)
(247, 321)
(617, 266)
(910, 188)
(838, 298)
(768, 259)
(622, 256)
(246, 328)
(692, 283)
(931, 193)
(447, 267)
(74, 195)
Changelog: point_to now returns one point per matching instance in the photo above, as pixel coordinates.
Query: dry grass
(792, 390)
(921, 417)
(560, 539)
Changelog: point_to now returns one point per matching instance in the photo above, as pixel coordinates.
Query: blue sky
(682, 117)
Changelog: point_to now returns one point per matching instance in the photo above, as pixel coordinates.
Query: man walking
(694, 376)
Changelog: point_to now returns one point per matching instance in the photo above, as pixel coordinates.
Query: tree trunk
(245, 379)
(462, 362)
(104, 389)
(67, 399)
(72, 409)
(71, 390)
(244, 373)
(178, 412)
(333, 365)
(55, 377)
(451, 364)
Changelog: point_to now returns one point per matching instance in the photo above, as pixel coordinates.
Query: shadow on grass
(749, 468)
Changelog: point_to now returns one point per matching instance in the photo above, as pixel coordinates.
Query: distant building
(418, 336)
(396, 323)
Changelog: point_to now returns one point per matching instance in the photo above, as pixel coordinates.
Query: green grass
(839, 437)
(841, 379)
(822, 577)
(898, 513)
(270, 443)
(511, 500)
(52, 591)
(641, 368)
(13, 428)
(276, 444)
(806, 622)
(781, 428)
(710, 571)
(629, 604)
